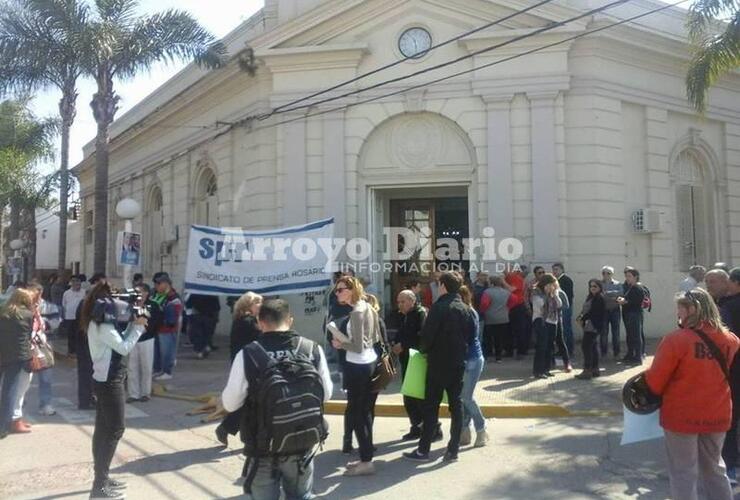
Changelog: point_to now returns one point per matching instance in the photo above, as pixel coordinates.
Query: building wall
(559, 148)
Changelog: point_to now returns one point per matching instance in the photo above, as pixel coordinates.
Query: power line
(549, 27)
(406, 58)
(488, 65)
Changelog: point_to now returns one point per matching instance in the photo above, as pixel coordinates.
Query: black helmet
(637, 396)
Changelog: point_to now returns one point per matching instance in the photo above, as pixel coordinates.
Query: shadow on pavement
(168, 462)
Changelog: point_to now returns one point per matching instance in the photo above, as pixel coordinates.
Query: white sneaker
(465, 436)
(164, 376)
(48, 411)
(481, 439)
(156, 374)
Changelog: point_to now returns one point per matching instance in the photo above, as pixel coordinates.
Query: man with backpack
(282, 380)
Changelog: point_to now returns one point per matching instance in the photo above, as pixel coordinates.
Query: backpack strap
(716, 353)
(256, 360)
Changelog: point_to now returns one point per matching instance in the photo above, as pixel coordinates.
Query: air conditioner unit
(646, 220)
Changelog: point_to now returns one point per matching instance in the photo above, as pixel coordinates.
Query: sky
(220, 17)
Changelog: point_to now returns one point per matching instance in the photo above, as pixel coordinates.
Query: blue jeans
(612, 321)
(165, 350)
(10, 375)
(544, 340)
(568, 328)
(45, 378)
(295, 477)
(471, 410)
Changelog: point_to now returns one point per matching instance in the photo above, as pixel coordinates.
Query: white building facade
(558, 148)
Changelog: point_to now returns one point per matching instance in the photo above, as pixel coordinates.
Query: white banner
(284, 261)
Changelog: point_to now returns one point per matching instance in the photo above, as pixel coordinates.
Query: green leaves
(716, 52)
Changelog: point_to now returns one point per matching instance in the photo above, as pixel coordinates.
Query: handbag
(385, 371)
(42, 355)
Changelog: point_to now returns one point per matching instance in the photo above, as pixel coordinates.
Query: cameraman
(101, 315)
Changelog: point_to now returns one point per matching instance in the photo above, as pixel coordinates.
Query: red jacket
(696, 394)
(516, 280)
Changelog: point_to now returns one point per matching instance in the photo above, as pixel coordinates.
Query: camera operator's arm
(123, 345)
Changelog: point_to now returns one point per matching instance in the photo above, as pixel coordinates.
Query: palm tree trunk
(104, 106)
(67, 111)
(30, 251)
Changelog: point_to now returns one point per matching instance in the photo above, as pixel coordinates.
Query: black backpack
(284, 412)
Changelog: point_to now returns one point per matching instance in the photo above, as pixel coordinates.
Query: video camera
(132, 297)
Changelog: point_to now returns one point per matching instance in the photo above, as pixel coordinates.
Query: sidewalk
(506, 388)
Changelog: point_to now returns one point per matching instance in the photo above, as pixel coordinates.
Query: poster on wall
(129, 248)
(224, 261)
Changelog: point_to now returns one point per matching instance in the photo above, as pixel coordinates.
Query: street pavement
(166, 454)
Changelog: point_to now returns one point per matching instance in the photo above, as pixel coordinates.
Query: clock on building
(415, 42)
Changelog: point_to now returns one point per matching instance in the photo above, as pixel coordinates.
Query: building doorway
(436, 221)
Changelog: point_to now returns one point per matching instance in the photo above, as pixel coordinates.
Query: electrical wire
(407, 58)
(544, 29)
(488, 65)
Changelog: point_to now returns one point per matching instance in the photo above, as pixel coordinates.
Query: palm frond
(117, 12)
(704, 12)
(168, 36)
(714, 58)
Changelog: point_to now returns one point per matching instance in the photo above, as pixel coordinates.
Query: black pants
(232, 422)
(561, 345)
(521, 328)
(590, 347)
(70, 328)
(360, 405)
(544, 337)
(413, 406)
(84, 378)
(109, 425)
(438, 381)
(503, 342)
(633, 327)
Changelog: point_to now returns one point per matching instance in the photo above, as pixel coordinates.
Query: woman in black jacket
(16, 325)
(244, 328)
(592, 319)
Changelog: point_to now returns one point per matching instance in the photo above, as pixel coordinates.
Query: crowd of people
(458, 325)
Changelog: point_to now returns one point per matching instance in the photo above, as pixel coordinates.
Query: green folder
(415, 381)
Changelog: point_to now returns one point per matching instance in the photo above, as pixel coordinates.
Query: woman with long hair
(474, 362)
(16, 326)
(101, 318)
(546, 304)
(592, 320)
(244, 330)
(45, 377)
(244, 327)
(362, 328)
(689, 371)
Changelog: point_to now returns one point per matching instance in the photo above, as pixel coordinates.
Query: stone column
(658, 180)
(545, 203)
(499, 178)
(294, 173)
(335, 192)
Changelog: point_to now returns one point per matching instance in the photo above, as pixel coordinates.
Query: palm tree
(122, 44)
(40, 47)
(716, 52)
(24, 142)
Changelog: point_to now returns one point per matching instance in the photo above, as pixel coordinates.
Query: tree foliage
(716, 46)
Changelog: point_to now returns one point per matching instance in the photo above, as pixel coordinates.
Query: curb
(337, 407)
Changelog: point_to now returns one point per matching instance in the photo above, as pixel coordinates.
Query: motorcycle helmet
(637, 396)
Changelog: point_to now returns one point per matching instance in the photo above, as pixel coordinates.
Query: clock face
(415, 43)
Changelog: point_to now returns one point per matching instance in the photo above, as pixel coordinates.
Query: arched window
(694, 213)
(154, 230)
(206, 200)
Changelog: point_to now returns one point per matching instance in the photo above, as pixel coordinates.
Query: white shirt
(70, 301)
(235, 392)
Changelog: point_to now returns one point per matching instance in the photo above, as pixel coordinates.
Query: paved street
(166, 454)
